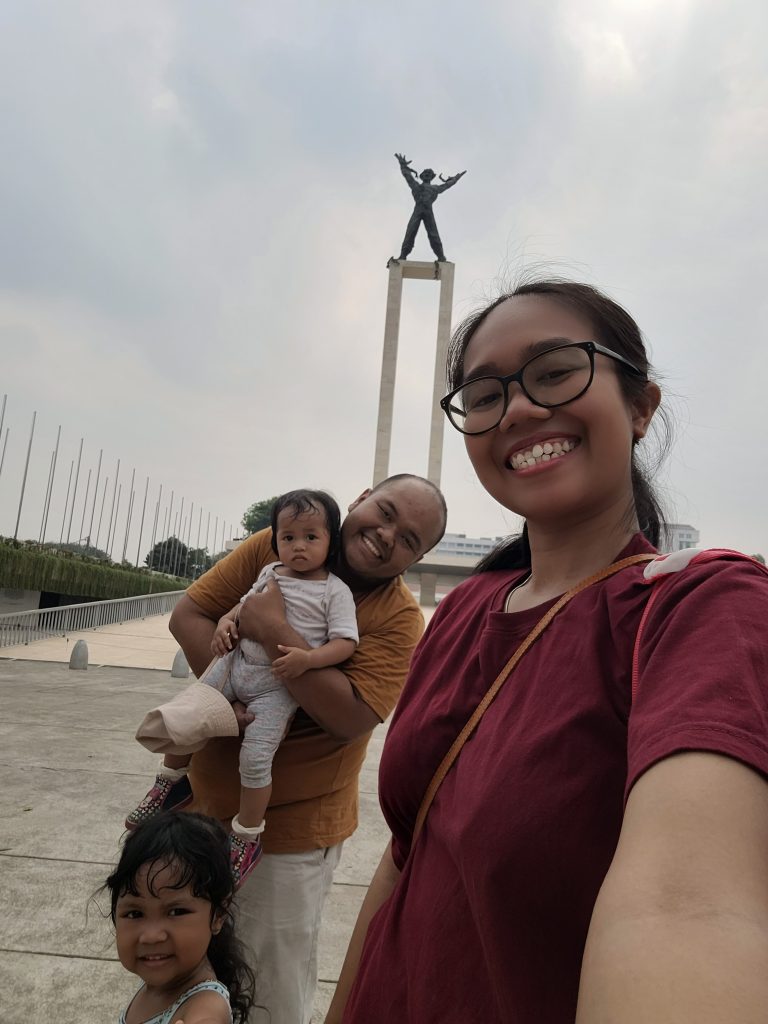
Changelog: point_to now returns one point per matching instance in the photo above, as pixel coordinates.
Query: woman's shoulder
(711, 574)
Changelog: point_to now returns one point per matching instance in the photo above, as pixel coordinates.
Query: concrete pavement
(69, 770)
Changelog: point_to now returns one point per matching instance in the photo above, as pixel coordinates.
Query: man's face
(389, 529)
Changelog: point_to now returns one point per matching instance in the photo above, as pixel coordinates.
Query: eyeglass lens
(551, 379)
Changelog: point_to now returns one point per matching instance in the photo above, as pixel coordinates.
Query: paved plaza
(69, 770)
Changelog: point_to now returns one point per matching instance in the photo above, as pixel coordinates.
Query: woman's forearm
(679, 932)
(677, 967)
(382, 884)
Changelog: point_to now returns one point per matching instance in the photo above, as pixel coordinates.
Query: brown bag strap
(501, 678)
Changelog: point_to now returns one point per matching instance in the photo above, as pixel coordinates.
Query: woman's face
(589, 468)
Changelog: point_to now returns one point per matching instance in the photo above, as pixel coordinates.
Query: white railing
(42, 623)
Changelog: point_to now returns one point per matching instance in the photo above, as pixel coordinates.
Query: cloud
(200, 203)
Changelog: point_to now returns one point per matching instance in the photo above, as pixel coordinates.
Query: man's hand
(294, 662)
(402, 161)
(261, 615)
(226, 636)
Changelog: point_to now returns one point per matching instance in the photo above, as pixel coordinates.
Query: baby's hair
(302, 501)
(196, 848)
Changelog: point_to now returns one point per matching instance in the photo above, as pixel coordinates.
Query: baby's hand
(225, 637)
(294, 662)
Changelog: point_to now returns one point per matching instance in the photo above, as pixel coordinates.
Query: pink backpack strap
(662, 569)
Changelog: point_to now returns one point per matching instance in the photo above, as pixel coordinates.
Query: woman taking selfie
(595, 846)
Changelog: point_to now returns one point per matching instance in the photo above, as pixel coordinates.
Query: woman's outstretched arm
(679, 931)
(382, 884)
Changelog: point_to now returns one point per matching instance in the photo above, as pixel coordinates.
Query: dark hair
(302, 501)
(443, 521)
(197, 848)
(614, 328)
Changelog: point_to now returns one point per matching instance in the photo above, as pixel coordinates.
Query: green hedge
(24, 568)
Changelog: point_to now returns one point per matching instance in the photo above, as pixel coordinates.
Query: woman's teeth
(542, 453)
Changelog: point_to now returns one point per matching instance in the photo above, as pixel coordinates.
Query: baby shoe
(165, 795)
(244, 855)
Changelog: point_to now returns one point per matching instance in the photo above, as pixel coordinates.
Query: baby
(306, 532)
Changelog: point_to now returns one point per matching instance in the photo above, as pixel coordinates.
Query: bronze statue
(424, 194)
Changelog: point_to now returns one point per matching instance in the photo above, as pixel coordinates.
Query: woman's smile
(541, 452)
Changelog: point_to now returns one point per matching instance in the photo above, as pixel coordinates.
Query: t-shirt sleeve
(703, 669)
(222, 587)
(340, 611)
(378, 668)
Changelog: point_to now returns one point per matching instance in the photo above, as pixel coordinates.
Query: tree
(199, 561)
(759, 558)
(258, 515)
(170, 555)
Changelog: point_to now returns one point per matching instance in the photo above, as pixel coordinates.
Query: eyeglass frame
(590, 347)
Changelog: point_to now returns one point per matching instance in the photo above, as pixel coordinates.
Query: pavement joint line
(89, 770)
(57, 860)
(63, 956)
(124, 668)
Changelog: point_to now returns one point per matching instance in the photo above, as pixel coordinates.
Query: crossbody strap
(485, 703)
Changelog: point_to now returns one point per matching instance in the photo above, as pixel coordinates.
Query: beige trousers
(279, 913)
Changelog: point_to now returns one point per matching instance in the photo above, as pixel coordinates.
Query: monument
(424, 194)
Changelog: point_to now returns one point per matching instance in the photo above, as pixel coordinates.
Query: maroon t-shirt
(489, 918)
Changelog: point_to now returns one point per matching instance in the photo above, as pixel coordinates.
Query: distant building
(675, 537)
(678, 537)
(461, 546)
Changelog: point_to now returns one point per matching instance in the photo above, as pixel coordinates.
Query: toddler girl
(171, 895)
(306, 532)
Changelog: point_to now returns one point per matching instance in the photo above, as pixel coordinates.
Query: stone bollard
(180, 668)
(79, 657)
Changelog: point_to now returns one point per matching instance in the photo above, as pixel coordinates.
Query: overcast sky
(199, 200)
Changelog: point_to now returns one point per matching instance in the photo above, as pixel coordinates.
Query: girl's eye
(131, 915)
(178, 911)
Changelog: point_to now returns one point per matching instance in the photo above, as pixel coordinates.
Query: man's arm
(325, 694)
(679, 932)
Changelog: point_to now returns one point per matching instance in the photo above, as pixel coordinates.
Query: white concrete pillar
(398, 270)
(388, 371)
(435, 459)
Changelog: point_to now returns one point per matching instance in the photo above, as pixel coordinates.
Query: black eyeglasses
(555, 377)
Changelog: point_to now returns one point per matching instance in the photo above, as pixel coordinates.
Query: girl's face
(593, 435)
(163, 935)
(302, 541)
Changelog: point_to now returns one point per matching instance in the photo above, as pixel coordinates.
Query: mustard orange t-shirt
(314, 776)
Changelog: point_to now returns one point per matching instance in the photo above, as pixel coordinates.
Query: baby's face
(303, 540)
